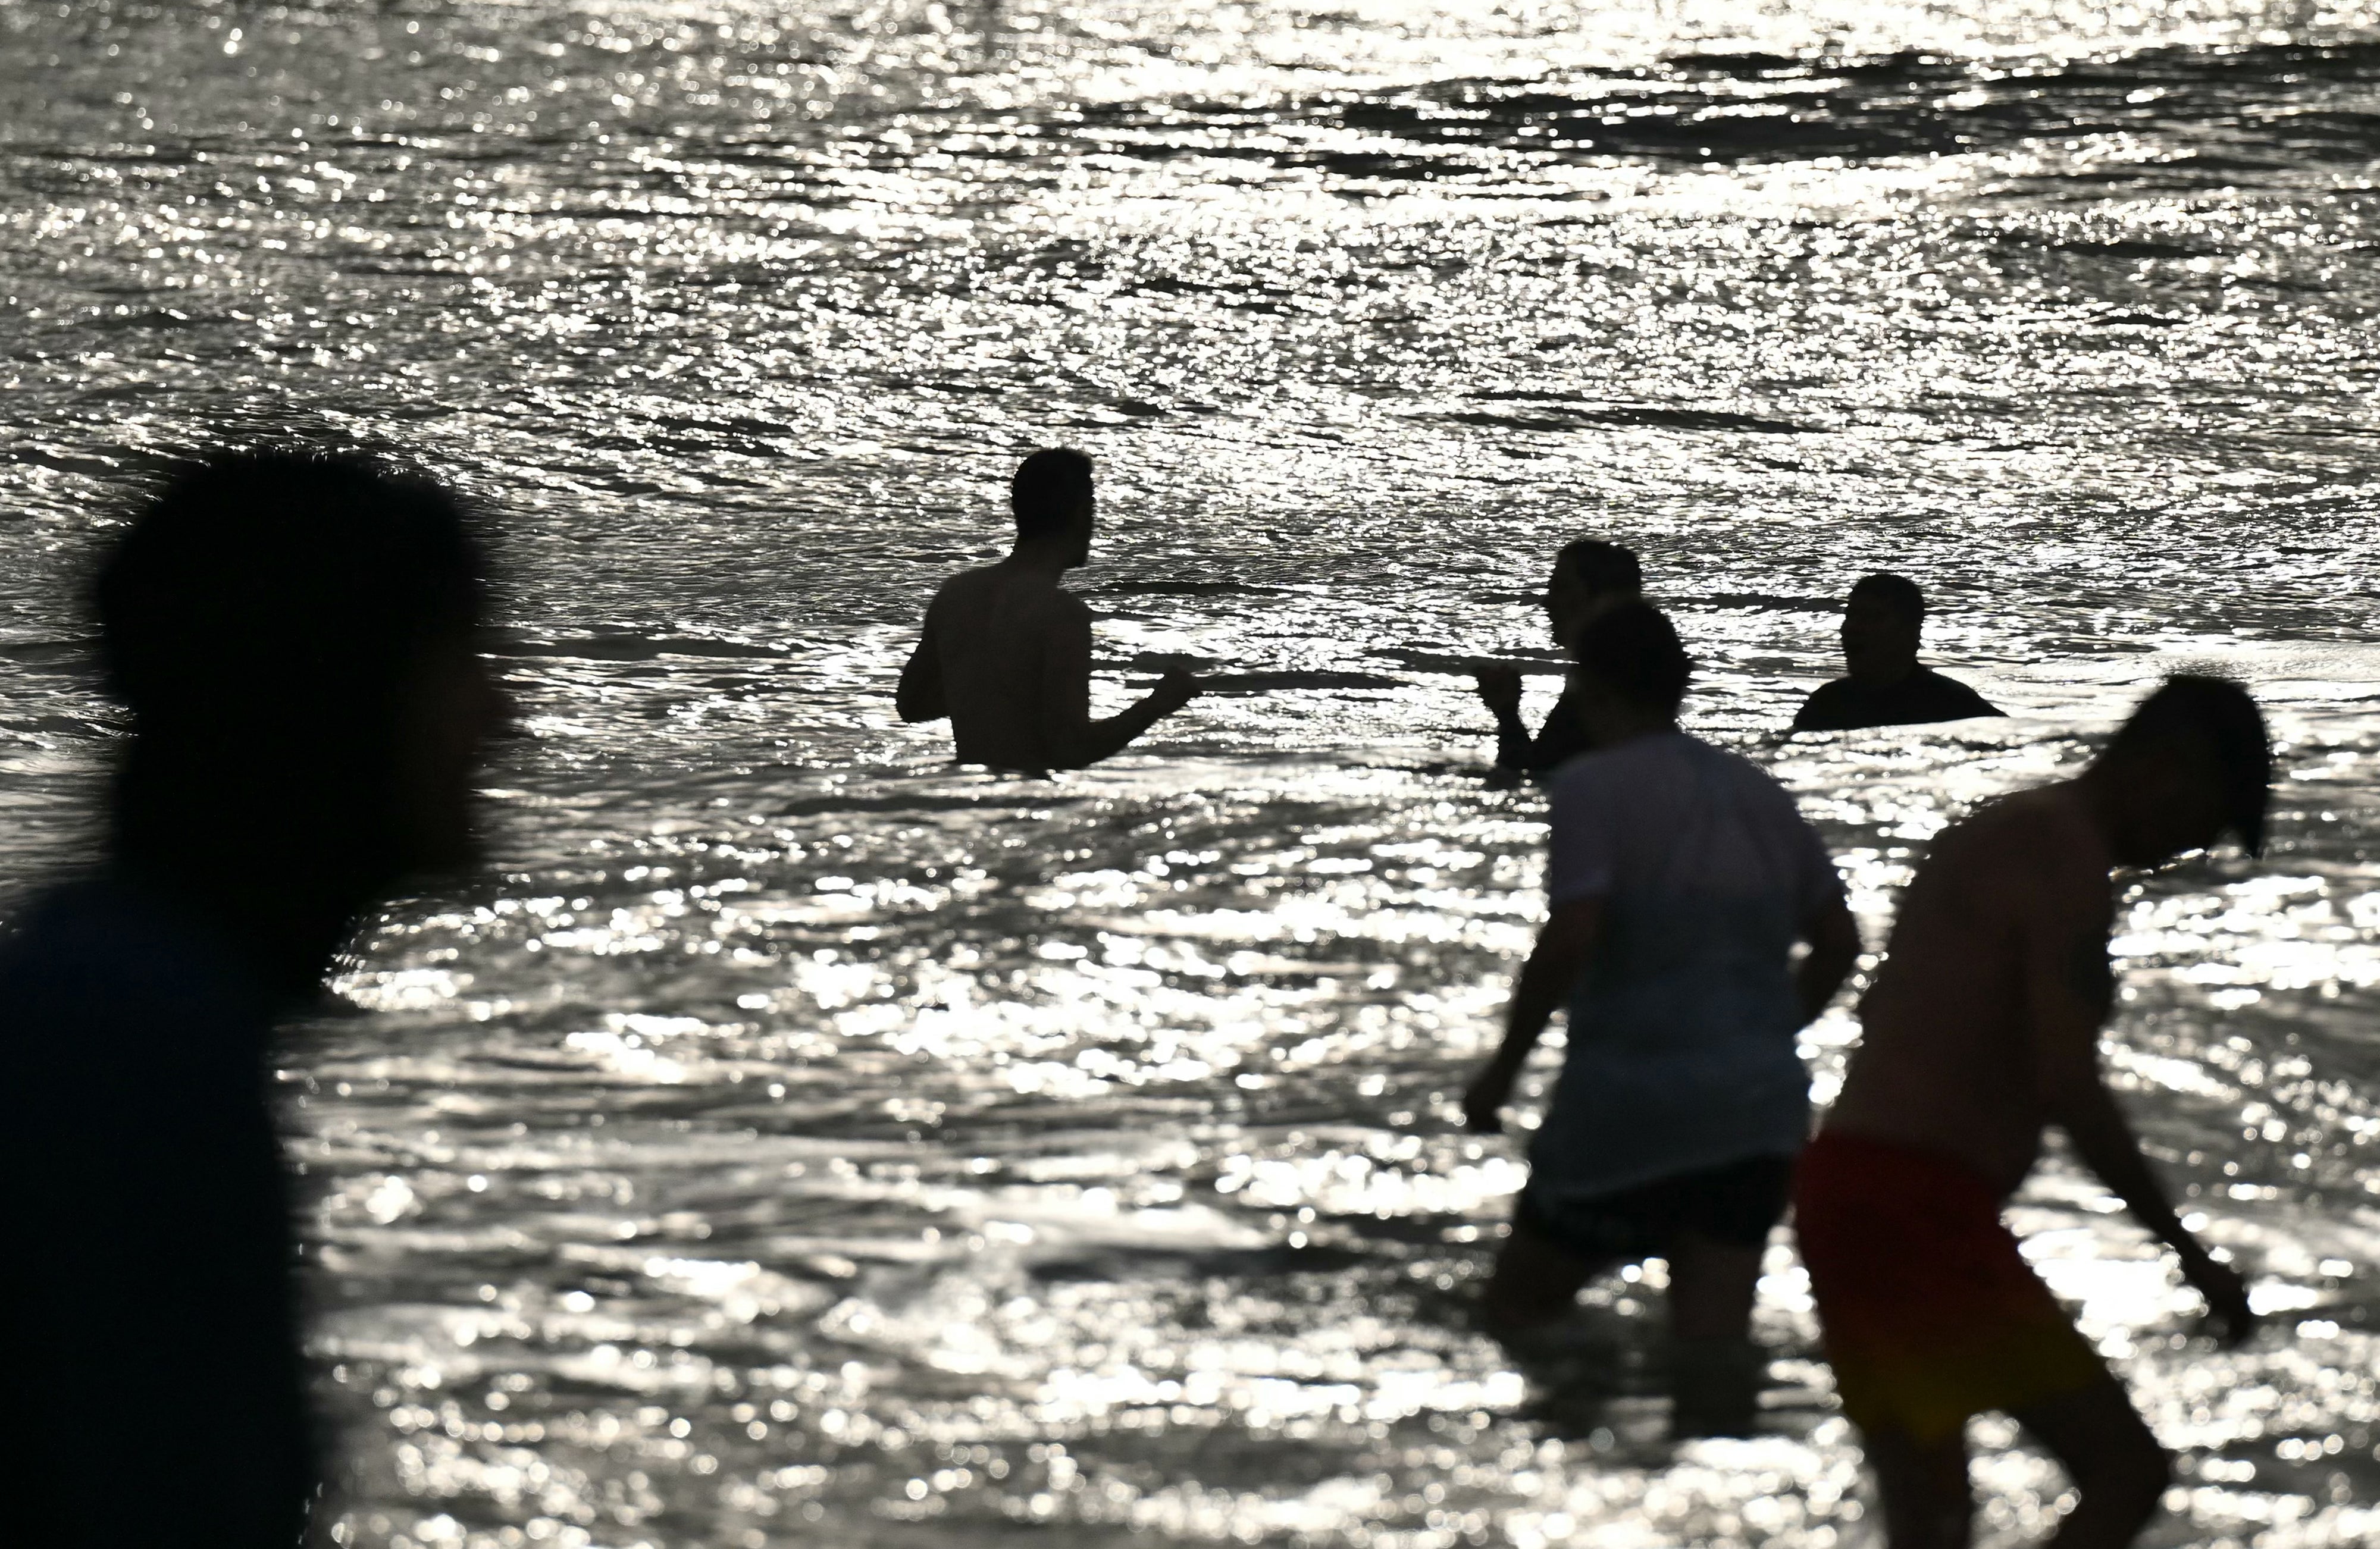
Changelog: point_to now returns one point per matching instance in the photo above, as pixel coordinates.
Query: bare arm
(1499, 690)
(2068, 994)
(921, 696)
(1073, 738)
(1554, 966)
(1834, 942)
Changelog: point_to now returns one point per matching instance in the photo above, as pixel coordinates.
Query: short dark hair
(261, 616)
(1898, 593)
(1049, 487)
(1601, 566)
(2220, 717)
(1630, 648)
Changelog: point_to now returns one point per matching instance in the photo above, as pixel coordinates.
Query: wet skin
(1005, 654)
(1982, 1030)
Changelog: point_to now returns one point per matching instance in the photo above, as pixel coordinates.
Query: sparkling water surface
(802, 1141)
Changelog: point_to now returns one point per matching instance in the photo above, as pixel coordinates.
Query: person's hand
(2228, 1316)
(1484, 1099)
(1500, 687)
(1177, 688)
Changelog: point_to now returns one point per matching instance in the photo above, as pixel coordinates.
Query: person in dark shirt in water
(1589, 576)
(1886, 686)
(292, 635)
(1005, 653)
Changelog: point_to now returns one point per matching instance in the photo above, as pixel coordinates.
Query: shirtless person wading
(1982, 1029)
(1006, 652)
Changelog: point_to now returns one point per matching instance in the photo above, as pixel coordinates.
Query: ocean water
(798, 1140)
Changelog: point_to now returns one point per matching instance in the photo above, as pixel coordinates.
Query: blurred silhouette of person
(1006, 651)
(1588, 576)
(1681, 878)
(292, 635)
(1882, 621)
(1982, 1027)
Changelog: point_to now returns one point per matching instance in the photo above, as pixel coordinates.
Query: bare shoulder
(966, 584)
(2029, 848)
(1056, 608)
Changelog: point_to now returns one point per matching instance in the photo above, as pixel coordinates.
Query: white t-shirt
(1682, 1029)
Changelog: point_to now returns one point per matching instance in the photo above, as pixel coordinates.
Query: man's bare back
(1013, 651)
(2002, 942)
(1007, 651)
(994, 630)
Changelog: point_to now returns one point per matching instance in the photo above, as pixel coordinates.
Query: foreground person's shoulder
(2043, 833)
(64, 921)
(100, 936)
(973, 579)
(1595, 775)
(2018, 814)
(1579, 772)
(1740, 764)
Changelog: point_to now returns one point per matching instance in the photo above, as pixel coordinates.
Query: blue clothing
(150, 1323)
(1682, 1031)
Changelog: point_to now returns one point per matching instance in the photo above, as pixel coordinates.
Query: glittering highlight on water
(803, 1142)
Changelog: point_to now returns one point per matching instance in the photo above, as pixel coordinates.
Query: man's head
(1882, 621)
(2191, 765)
(1588, 575)
(1631, 672)
(1051, 496)
(294, 635)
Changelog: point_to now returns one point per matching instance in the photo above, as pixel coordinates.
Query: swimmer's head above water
(1883, 619)
(1589, 576)
(1052, 498)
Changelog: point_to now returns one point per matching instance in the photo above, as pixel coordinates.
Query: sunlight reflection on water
(803, 1142)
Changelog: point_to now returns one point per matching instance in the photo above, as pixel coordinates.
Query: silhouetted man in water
(1882, 621)
(1589, 574)
(1982, 1029)
(1680, 879)
(1007, 651)
(293, 636)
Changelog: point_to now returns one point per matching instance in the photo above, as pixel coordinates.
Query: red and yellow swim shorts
(1929, 1312)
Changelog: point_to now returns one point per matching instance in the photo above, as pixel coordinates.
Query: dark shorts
(1737, 1204)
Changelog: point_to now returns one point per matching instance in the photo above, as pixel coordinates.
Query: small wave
(1548, 414)
(1734, 108)
(1763, 602)
(1185, 588)
(631, 648)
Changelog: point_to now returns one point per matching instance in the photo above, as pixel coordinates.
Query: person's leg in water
(1535, 1282)
(1713, 1366)
(1923, 1482)
(1712, 1226)
(2114, 1462)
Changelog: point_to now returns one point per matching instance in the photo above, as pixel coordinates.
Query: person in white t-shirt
(1681, 879)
